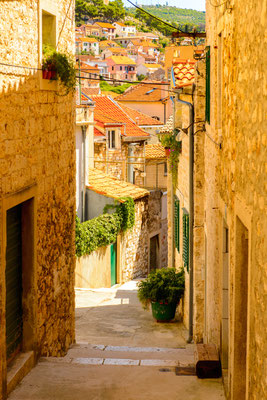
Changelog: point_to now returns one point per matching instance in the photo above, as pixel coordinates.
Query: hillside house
(37, 193)
(89, 45)
(121, 68)
(91, 30)
(113, 51)
(147, 69)
(123, 30)
(107, 30)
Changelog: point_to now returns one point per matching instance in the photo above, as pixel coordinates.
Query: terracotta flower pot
(45, 72)
(167, 151)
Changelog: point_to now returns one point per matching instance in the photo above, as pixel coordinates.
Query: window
(111, 140)
(186, 239)
(126, 76)
(120, 68)
(112, 68)
(165, 169)
(177, 223)
(48, 29)
(208, 85)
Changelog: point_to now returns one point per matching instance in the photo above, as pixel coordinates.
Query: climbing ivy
(104, 229)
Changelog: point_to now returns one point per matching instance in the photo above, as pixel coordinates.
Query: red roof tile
(144, 93)
(140, 118)
(183, 72)
(109, 111)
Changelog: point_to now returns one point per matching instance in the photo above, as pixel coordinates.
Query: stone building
(235, 202)
(37, 190)
(119, 147)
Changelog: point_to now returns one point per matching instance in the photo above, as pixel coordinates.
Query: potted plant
(59, 66)
(173, 149)
(162, 289)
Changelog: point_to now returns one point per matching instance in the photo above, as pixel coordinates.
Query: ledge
(20, 367)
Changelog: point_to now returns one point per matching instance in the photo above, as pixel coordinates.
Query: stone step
(88, 354)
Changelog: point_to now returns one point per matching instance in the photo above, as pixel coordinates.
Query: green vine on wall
(104, 229)
(168, 140)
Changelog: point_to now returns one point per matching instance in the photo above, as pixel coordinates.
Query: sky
(193, 4)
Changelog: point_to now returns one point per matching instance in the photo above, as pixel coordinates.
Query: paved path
(120, 354)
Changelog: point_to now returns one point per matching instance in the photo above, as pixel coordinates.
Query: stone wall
(155, 174)
(236, 191)
(37, 150)
(134, 244)
(118, 160)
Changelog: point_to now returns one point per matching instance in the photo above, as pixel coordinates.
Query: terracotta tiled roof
(140, 118)
(109, 186)
(108, 110)
(88, 40)
(107, 43)
(122, 60)
(97, 132)
(146, 43)
(105, 25)
(144, 93)
(155, 150)
(183, 72)
(168, 127)
(117, 50)
(90, 91)
(153, 66)
(120, 23)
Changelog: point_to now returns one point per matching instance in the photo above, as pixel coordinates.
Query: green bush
(104, 229)
(163, 285)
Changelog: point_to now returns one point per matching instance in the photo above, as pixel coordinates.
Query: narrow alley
(120, 353)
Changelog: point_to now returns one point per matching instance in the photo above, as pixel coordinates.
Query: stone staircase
(89, 354)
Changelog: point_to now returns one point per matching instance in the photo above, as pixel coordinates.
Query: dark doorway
(154, 253)
(14, 312)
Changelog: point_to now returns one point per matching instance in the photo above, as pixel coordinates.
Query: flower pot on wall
(167, 151)
(163, 312)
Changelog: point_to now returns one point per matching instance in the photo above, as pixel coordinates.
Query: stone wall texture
(37, 148)
(116, 161)
(134, 245)
(236, 189)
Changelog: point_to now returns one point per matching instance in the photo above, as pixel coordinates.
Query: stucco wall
(37, 143)
(238, 191)
(93, 270)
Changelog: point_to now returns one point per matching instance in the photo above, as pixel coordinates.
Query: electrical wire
(156, 18)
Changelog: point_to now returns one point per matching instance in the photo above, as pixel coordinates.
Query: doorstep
(19, 368)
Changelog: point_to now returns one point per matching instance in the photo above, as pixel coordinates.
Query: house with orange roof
(121, 68)
(91, 30)
(89, 77)
(107, 29)
(147, 69)
(89, 45)
(119, 141)
(113, 51)
(123, 30)
(151, 98)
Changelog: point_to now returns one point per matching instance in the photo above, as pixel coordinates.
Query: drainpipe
(191, 214)
(83, 169)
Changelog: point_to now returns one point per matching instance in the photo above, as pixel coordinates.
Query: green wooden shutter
(208, 85)
(186, 239)
(177, 224)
